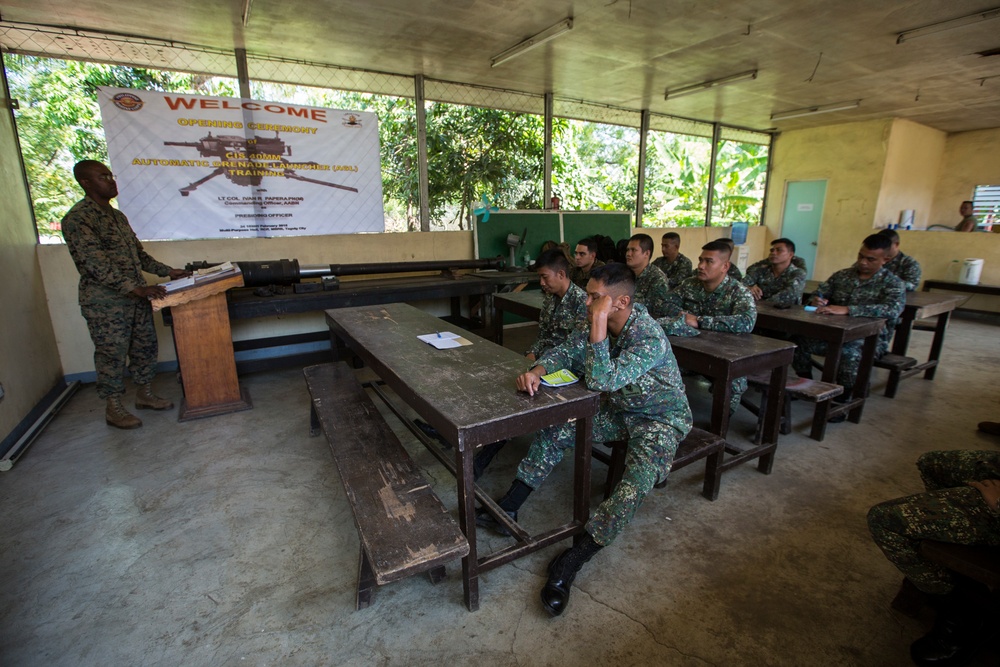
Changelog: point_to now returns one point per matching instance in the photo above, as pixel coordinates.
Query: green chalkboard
(578, 225)
(542, 226)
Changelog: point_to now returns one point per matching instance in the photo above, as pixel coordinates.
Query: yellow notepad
(559, 378)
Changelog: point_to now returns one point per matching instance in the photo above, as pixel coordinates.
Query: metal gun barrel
(288, 271)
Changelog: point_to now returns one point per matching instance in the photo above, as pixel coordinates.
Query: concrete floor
(228, 541)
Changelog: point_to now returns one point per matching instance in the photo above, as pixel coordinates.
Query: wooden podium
(204, 344)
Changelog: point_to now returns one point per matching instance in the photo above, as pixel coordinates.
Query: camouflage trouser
(738, 387)
(850, 357)
(651, 449)
(949, 511)
(121, 330)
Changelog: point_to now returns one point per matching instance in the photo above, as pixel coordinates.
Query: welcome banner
(195, 167)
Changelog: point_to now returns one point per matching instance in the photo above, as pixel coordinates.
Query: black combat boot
(510, 503)
(562, 572)
(484, 457)
(959, 629)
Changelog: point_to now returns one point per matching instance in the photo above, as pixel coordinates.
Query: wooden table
(921, 305)
(834, 330)
(722, 357)
(525, 304)
(468, 395)
(980, 288)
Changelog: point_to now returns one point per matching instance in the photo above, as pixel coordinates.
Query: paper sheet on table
(180, 283)
(444, 340)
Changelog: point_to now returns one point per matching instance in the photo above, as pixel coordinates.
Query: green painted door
(802, 216)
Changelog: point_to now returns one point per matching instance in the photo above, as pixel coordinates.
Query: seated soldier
(776, 279)
(585, 260)
(900, 265)
(713, 301)
(651, 287)
(863, 290)
(564, 310)
(675, 266)
(623, 352)
(733, 271)
(961, 505)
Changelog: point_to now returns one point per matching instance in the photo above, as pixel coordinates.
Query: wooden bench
(816, 391)
(402, 525)
(899, 368)
(976, 562)
(979, 563)
(697, 445)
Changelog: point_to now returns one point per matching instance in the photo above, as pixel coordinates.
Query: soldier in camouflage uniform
(564, 311)
(960, 506)
(900, 265)
(776, 279)
(585, 259)
(733, 271)
(675, 266)
(624, 353)
(564, 306)
(863, 290)
(651, 287)
(114, 297)
(712, 301)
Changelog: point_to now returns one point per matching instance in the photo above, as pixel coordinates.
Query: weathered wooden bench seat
(899, 368)
(816, 391)
(402, 525)
(977, 562)
(698, 444)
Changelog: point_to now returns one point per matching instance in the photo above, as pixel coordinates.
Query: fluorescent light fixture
(563, 26)
(671, 93)
(812, 111)
(984, 15)
(247, 5)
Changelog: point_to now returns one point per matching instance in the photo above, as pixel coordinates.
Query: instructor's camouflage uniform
(645, 403)
(949, 511)
(906, 269)
(729, 308)
(882, 295)
(560, 317)
(581, 277)
(651, 289)
(677, 271)
(111, 260)
(786, 287)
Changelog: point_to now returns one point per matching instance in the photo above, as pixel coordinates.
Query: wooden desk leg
(581, 472)
(832, 361)
(937, 343)
(497, 325)
(772, 417)
(467, 523)
(864, 375)
(721, 393)
(901, 341)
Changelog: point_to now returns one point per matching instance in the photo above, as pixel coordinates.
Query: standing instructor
(114, 296)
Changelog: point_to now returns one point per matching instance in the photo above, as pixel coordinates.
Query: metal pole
(242, 73)
(716, 135)
(767, 182)
(547, 177)
(422, 180)
(641, 185)
(11, 104)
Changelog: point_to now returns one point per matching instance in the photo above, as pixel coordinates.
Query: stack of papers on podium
(444, 340)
